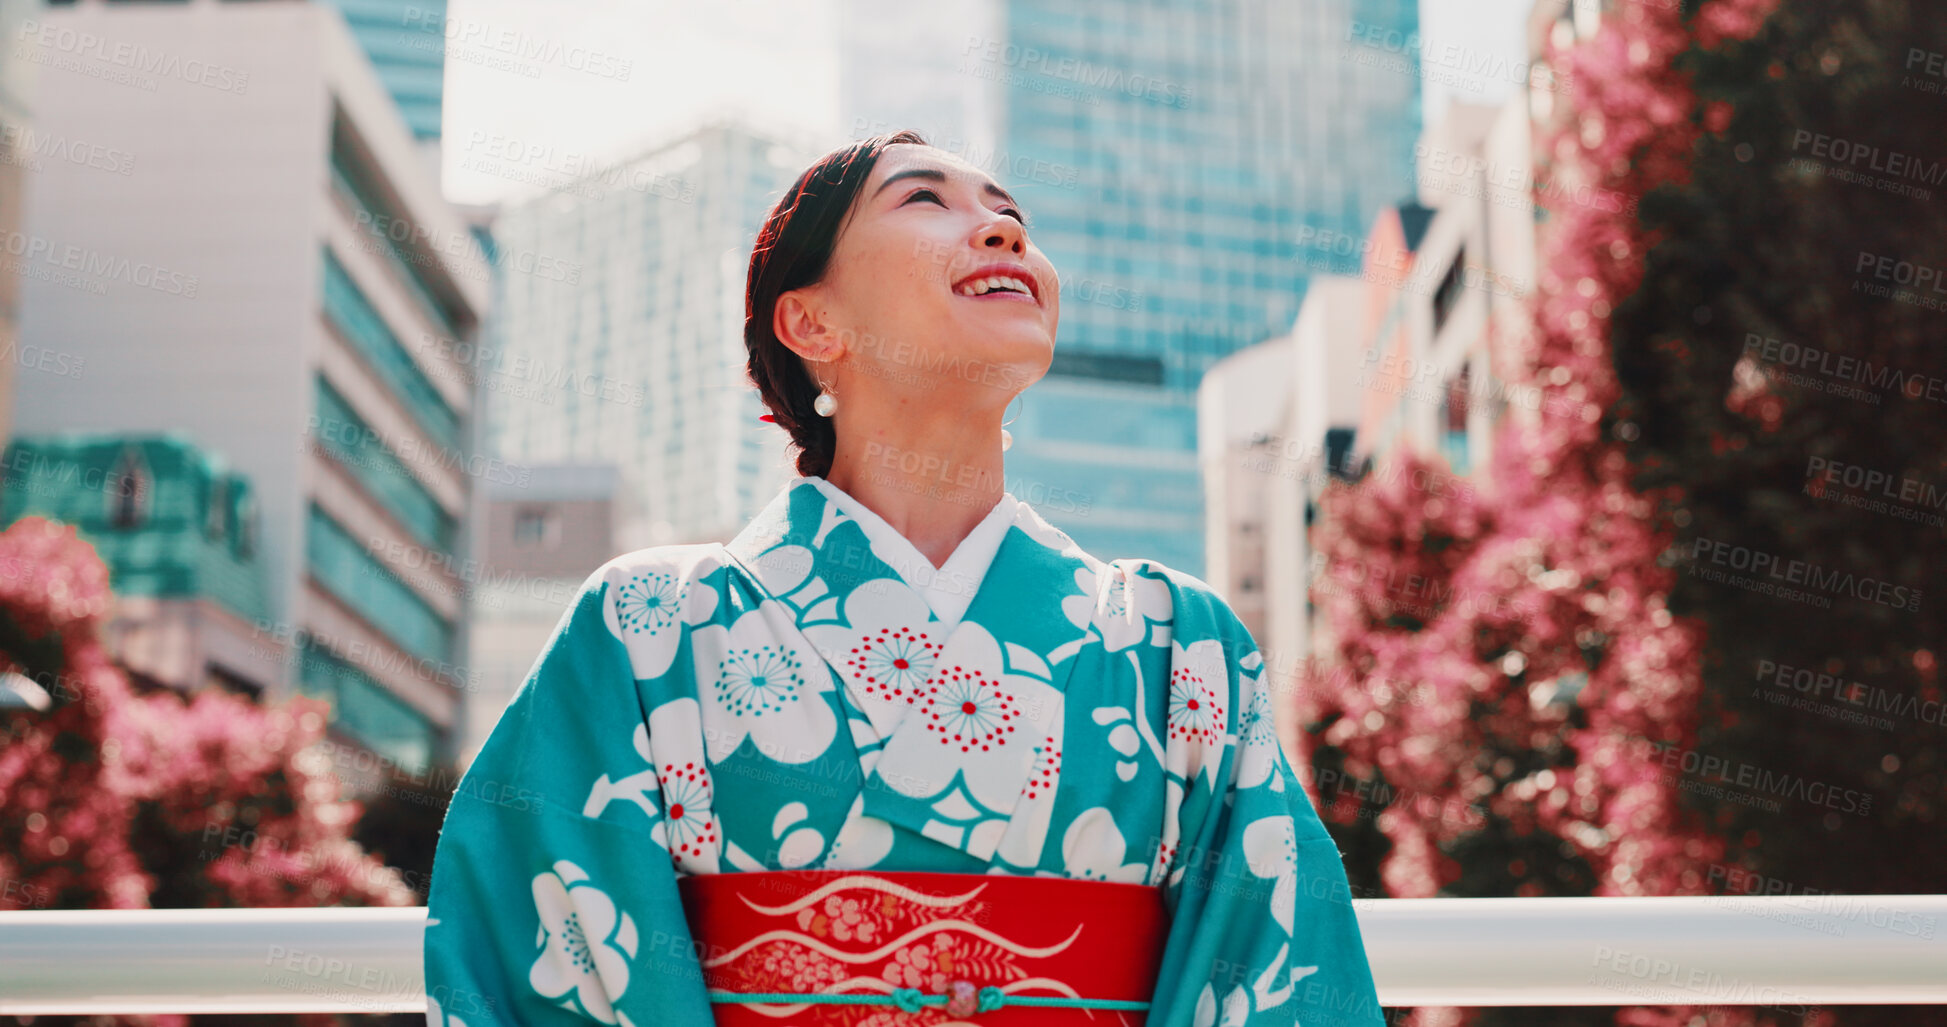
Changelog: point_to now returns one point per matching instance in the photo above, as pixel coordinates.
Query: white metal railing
(1788, 952)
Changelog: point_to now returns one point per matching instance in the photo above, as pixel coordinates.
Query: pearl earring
(826, 404)
(1007, 437)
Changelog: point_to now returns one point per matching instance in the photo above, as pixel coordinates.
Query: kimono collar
(947, 589)
(955, 715)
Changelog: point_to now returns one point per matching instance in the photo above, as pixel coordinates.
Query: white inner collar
(949, 588)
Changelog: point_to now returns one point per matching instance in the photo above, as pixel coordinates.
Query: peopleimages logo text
(96, 265)
(1758, 563)
(58, 39)
(1078, 71)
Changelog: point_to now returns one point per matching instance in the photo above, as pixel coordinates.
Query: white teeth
(982, 286)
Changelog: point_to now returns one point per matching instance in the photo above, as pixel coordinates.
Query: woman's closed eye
(935, 197)
(928, 193)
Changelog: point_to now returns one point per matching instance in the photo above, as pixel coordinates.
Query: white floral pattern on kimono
(585, 943)
(789, 699)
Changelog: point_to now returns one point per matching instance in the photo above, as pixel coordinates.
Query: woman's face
(933, 275)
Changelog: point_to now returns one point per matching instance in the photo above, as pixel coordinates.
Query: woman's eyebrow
(936, 175)
(998, 193)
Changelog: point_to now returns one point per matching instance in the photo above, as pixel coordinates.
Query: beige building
(277, 278)
(539, 543)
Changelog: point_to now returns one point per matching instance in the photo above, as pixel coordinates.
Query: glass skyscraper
(1181, 163)
(617, 334)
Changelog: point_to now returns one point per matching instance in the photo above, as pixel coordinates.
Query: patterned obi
(872, 948)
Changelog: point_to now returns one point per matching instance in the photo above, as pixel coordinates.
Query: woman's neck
(932, 481)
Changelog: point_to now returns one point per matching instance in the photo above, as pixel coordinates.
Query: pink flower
(847, 919)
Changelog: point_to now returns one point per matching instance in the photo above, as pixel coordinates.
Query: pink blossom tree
(109, 799)
(1548, 658)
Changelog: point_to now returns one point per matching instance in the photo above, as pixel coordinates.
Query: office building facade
(629, 348)
(1409, 355)
(279, 280)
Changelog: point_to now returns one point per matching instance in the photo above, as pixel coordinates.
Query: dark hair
(793, 249)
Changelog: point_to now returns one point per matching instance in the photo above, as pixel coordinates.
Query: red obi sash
(931, 949)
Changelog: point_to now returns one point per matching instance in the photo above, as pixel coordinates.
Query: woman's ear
(799, 322)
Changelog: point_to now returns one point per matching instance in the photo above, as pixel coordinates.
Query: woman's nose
(1004, 233)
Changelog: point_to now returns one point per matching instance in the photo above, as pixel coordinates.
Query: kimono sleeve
(1263, 929)
(552, 897)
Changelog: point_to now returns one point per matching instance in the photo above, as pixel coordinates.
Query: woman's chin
(1012, 355)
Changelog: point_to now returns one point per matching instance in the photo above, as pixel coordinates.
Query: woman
(899, 752)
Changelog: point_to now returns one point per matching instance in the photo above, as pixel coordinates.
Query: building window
(356, 185)
(1338, 454)
(365, 709)
(350, 572)
(356, 320)
(536, 528)
(363, 453)
(1453, 420)
(221, 677)
(129, 490)
(215, 519)
(243, 541)
(1447, 294)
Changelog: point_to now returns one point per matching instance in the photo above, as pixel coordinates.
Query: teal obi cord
(912, 1000)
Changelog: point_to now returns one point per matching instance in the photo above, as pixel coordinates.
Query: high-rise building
(278, 279)
(1177, 162)
(406, 41)
(630, 349)
(1409, 355)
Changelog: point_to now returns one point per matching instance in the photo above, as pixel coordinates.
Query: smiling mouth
(1011, 285)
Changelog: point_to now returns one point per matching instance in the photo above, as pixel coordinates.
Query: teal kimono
(814, 694)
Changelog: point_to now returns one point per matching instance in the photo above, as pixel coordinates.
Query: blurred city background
(1553, 386)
